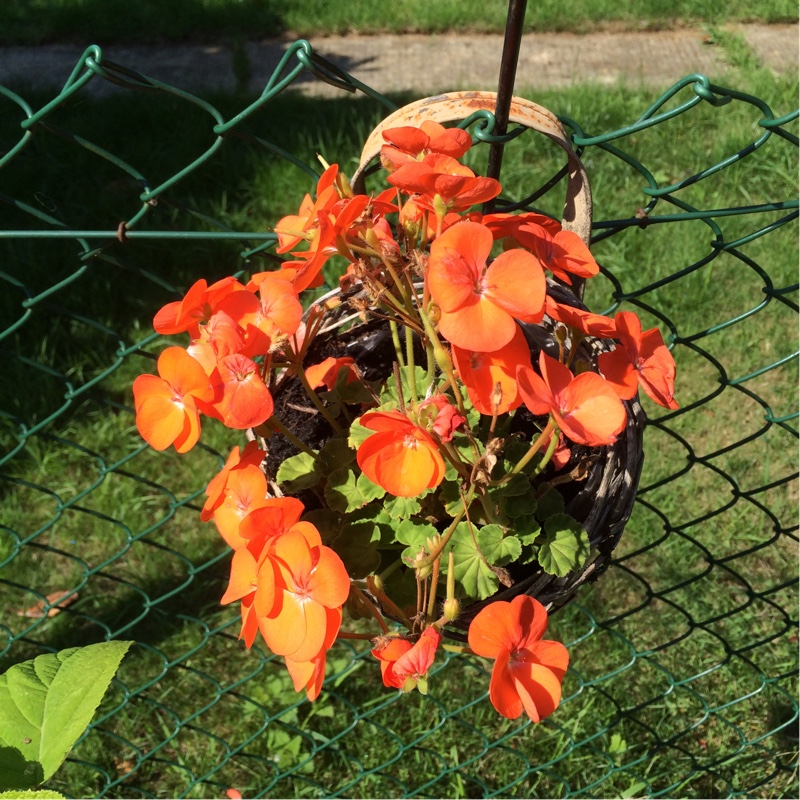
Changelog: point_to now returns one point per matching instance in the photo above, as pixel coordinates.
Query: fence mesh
(684, 653)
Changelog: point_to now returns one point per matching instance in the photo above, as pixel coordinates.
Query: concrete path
(427, 64)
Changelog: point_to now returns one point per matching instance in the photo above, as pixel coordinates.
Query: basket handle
(456, 106)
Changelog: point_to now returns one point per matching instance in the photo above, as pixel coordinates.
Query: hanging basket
(602, 494)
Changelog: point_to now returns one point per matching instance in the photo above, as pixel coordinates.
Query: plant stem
(550, 428)
(314, 397)
(274, 423)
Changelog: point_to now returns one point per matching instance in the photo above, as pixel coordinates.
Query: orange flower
(312, 586)
(528, 671)
(585, 407)
(438, 414)
(440, 176)
(641, 359)
(294, 228)
(482, 372)
(197, 306)
(479, 303)
(584, 321)
(275, 312)
(408, 143)
(412, 667)
(246, 401)
(309, 675)
(560, 251)
(166, 406)
(387, 651)
(237, 460)
(245, 490)
(400, 457)
(326, 373)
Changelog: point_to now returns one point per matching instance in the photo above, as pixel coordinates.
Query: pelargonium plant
(402, 492)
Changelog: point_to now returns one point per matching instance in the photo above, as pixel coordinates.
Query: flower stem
(550, 428)
(274, 423)
(314, 397)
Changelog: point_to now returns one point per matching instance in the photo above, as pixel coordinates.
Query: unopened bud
(423, 571)
(451, 609)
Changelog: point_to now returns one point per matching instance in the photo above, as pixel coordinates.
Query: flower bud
(451, 609)
(423, 571)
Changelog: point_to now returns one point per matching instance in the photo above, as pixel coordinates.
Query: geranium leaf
(46, 704)
(550, 503)
(565, 547)
(402, 507)
(298, 472)
(356, 545)
(474, 557)
(346, 492)
(415, 535)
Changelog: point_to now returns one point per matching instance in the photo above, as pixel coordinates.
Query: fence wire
(684, 654)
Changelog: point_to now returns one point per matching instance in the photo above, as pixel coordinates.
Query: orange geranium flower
(310, 675)
(481, 373)
(251, 456)
(326, 373)
(294, 228)
(641, 359)
(246, 401)
(245, 490)
(400, 457)
(197, 306)
(562, 252)
(585, 407)
(438, 414)
(275, 312)
(479, 303)
(166, 405)
(528, 671)
(387, 651)
(312, 585)
(408, 143)
(584, 321)
(412, 666)
(438, 175)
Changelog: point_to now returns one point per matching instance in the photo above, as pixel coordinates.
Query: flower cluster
(417, 470)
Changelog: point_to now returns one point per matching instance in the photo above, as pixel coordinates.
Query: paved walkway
(428, 63)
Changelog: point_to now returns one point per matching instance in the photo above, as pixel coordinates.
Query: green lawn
(683, 656)
(107, 21)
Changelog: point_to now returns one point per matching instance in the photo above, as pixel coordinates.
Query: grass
(107, 21)
(683, 656)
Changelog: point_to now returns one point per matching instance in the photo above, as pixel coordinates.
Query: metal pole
(505, 86)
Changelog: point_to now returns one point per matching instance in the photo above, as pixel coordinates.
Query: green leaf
(335, 454)
(526, 529)
(346, 492)
(415, 535)
(402, 507)
(31, 794)
(566, 545)
(474, 558)
(356, 545)
(550, 503)
(358, 433)
(46, 704)
(298, 472)
(518, 505)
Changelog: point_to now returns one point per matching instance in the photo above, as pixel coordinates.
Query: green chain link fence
(683, 655)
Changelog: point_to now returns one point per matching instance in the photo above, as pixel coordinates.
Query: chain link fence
(684, 655)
